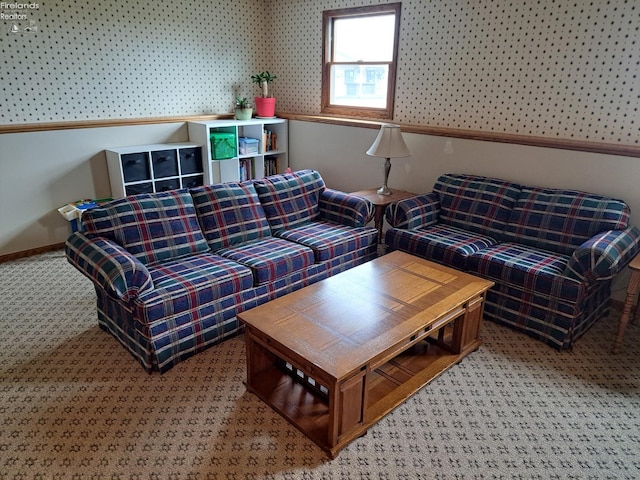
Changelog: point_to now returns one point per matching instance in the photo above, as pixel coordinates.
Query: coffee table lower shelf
(330, 413)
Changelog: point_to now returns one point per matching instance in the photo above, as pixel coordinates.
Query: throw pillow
(153, 227)
(290, 199)
(230, 214)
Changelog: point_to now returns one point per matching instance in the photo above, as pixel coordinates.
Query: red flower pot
(265, 107)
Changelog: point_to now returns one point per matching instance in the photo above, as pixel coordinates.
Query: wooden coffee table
(333, 358)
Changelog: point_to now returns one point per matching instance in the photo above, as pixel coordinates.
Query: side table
(632, 291)
(380, 203)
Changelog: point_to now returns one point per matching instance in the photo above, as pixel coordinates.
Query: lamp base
(384, 190)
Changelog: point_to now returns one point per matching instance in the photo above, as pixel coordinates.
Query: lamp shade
(389, 143)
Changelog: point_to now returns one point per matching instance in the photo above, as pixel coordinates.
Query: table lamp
(389, 143)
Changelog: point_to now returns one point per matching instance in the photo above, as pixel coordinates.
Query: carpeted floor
(75, 405)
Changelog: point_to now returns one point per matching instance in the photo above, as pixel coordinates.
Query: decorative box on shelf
(223, 145)
(248, 146)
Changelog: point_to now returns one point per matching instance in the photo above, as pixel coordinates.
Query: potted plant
(243, 111)
(265, 104)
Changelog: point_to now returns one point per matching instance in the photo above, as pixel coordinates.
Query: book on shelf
(271, 165)
(246, 169)
(269, 141)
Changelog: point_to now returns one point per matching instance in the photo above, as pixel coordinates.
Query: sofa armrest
(345, 209)
(419, 211)
(108, 265)
(604, 255)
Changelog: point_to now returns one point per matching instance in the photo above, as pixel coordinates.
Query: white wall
(45, 170)
(42, 171)
(338, 153)
(544, 68)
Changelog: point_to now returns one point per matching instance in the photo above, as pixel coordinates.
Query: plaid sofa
(172, 270)
(551, 253)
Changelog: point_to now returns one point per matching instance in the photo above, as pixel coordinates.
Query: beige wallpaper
(554, 68)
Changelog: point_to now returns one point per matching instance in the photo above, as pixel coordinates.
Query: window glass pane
(364, 38)
(359, 85)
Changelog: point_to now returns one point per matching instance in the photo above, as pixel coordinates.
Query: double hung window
(360, 51)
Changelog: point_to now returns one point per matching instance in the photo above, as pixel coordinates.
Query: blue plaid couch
(172, 270)
(551, 253)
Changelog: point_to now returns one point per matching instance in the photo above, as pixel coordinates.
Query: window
(360, 51)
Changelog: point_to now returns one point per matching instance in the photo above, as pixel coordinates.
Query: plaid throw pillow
(291, 199)
(230, 213)
(561, 220)
(153, 227)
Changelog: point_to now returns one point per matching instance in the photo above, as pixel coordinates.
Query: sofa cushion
(290, 199)
(153, 227)
(562, 220)
(197, 281)
(528, 268)
(270, 258)
(230, 214)
(477, 204)
(329, 240)
(440, 243)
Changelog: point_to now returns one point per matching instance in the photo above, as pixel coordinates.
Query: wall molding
(557, 143)
(122, 122)
(31, 252)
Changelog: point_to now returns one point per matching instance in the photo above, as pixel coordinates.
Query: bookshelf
(268, 157)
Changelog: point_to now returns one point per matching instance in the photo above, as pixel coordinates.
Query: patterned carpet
(75, 405)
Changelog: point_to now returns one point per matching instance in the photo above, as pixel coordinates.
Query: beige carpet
(75, 405)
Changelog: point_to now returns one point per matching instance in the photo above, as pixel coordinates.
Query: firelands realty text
(16, 11)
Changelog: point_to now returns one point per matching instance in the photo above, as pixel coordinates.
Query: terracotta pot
(265, 107)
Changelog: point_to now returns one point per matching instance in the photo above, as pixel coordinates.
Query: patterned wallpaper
(129, 58)
(549, 68)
